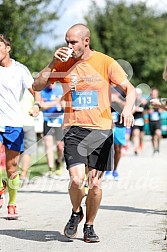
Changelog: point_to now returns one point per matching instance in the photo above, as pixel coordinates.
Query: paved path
(132, 216)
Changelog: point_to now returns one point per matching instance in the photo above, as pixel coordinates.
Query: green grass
(39, 168)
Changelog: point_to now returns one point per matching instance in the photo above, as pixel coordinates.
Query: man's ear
(87, 40)
(8, 48)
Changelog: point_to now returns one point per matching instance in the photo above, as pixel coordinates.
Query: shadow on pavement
(133, 209)
(36, 235)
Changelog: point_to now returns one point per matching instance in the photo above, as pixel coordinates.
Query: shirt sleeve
(116, 73)
(27, 78)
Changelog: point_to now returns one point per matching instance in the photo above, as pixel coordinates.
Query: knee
(95, 185)
(60, 147)
(11, 169)
(76, 182)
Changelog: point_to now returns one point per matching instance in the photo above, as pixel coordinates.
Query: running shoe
(70, 229)
(89, 234)
(108, 175)
(58, 166)
(51, 172)
(2, 194)
(12, 212)
(115, 175)
(156, 152)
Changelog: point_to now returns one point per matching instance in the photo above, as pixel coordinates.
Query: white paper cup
(69, 52)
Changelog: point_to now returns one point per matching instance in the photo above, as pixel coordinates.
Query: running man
(86, 79)
(14, 78)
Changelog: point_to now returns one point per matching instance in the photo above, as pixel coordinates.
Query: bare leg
(25, 159)
(60, 151)
(136, 140)
(48, 141)
(12, 158)
(141, 140)
(76, 188)
(153, 142)
(117, 155)
(159, 135)
(94, 195)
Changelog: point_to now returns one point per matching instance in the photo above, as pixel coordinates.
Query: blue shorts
(119, 136)
(12, 138)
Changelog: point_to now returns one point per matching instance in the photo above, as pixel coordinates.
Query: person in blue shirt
(53, 112)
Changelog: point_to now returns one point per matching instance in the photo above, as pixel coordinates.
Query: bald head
(80, 29)
(78, 38)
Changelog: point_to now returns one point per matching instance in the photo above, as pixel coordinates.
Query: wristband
(37, 104)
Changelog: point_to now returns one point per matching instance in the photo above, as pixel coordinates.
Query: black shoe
(70, 229)
(89, 234)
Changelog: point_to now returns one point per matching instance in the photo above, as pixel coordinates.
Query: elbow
(36, 87)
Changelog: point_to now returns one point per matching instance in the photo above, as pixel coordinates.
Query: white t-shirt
(13, 81)
(27, 103)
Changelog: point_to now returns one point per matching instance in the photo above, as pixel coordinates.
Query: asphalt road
(132, 215)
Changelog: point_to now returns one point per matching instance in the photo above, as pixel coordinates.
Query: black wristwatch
(37, 104)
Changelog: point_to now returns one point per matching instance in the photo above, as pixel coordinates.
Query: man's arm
(127, 112)
(50, 104)
(157, 104)
(42, 79)
(34, 111)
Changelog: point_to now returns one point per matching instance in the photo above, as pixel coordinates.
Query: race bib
(84, 99)
(139, 122)
(154, 116)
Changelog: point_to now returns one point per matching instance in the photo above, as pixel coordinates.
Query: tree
(24, 21)
(134, 33)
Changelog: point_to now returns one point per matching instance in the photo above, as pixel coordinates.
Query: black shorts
(57, 132)
(87, 146)
(141, 128)
(154, 125)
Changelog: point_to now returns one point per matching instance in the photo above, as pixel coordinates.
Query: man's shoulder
(20, 66)
(97, 53)
(104, 58)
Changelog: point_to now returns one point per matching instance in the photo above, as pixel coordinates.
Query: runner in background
(14, 79)
(119, 132)
(161, 103)
(30, 137)
(53, 113)
(154, 121)
(138, 127)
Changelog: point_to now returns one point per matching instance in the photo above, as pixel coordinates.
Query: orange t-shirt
(90, 105)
